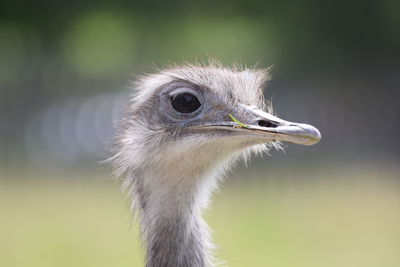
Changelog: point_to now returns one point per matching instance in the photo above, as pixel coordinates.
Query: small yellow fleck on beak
(238, 122)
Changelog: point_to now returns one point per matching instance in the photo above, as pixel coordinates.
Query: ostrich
(182, 130)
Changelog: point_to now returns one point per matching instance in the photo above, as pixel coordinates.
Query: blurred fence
(65, 68)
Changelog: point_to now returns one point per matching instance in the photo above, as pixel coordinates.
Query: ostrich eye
(185, 103)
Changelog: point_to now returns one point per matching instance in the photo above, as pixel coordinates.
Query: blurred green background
(65, 72)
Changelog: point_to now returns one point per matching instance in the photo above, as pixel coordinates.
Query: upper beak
(271, 127)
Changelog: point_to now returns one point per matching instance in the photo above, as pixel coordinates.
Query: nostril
(268, 124)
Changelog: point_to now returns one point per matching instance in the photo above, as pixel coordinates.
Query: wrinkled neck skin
(170, 194)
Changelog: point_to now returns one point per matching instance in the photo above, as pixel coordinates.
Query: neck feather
(173, 230)
(171, 189)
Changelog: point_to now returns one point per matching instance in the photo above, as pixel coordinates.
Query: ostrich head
(182, 130)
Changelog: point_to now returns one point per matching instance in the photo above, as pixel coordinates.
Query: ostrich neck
(174, 232)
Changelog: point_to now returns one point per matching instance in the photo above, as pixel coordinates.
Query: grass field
(343, 217)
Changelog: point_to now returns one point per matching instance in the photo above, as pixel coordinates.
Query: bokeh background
(65, 72)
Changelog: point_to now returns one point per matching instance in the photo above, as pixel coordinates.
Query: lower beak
(271, 127)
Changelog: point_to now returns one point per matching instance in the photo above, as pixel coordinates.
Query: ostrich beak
(270, 127)
(253, 123)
